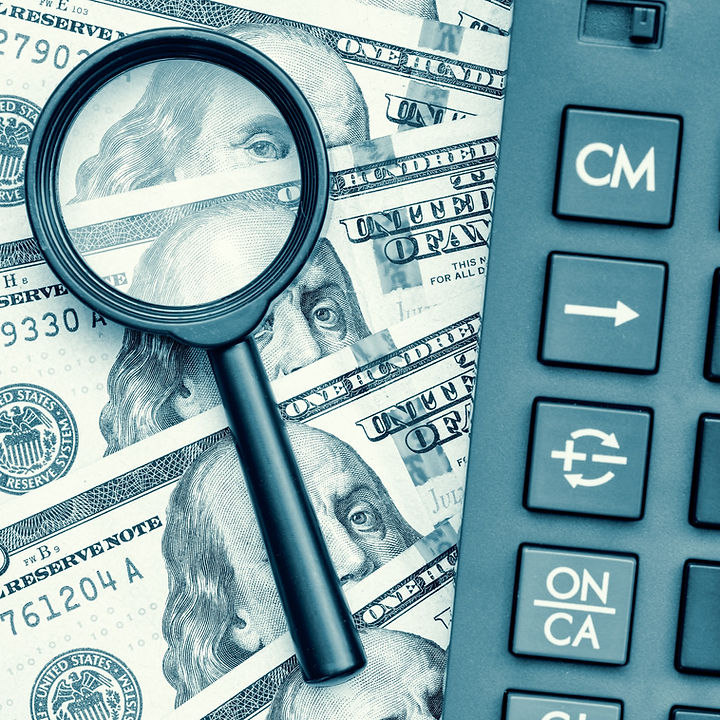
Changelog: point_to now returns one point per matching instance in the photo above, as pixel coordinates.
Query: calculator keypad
(574, 604)
(585, 316)
(603, 312)
(535, 706)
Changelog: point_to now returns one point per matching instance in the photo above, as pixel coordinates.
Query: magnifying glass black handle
(327, 643)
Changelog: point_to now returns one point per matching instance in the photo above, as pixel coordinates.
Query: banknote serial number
(39, 51)
(30, 328)
(69, 598)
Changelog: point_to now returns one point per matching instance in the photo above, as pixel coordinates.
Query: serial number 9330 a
(49, 324)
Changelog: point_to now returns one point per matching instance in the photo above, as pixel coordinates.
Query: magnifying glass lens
(193, 213)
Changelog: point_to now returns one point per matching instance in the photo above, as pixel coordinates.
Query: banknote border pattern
(100, 499)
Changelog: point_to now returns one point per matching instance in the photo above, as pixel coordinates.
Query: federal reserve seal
(17, 120)
(86, 684)
(38, 438)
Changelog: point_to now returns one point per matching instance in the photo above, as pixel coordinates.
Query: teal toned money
(427, 192)
(149, 569)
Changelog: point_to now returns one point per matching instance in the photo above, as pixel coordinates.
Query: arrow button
(603, 312)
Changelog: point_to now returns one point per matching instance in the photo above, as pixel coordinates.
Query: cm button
(618, 166)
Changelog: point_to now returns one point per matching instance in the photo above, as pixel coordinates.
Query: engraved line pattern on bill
(382, 371)
(392, 603)
(479, 155)
(354, 49)
(15, 253)
(111, 494)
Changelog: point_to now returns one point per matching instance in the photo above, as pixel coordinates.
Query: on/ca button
(574, 604)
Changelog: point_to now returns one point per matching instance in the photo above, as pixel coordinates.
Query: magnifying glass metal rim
(228, 319)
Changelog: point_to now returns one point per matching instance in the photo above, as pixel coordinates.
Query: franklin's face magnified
(222, 604)
(196, 118)
(315, 317)
(154, 382)
(403, 680)
(239, 128)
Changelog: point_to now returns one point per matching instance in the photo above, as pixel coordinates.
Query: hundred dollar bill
(407, 389)
(80, 386)
(144, 577)
(367, 71)
(403, 613)
(408, 214)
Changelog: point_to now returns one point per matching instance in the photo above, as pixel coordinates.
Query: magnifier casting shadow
(132, 255)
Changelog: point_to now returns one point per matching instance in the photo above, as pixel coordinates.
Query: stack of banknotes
(133, 580)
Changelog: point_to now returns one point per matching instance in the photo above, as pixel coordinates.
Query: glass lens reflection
(179, 182)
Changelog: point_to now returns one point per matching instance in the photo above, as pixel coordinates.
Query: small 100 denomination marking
(89, 588)
(41, 50)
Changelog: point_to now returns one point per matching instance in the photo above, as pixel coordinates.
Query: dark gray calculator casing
(558, 60)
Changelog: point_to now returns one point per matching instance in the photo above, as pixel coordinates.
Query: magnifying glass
(205, 283)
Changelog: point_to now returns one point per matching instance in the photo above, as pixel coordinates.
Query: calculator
(589, 568)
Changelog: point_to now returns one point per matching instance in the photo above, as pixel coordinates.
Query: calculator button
(699, 625)
(603, 312)
(644, 24)
(705, 507)
(618, 167)
(712, 352)
(693, 714)
(574, 604)
(532, 706)
(588, 459)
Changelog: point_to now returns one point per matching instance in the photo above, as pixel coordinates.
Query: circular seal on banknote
(86, 683)
(38, 438)
(4, 560)
(17, 120)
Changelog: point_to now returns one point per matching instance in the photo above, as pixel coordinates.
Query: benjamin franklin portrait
(222, 605)
(403, 680)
